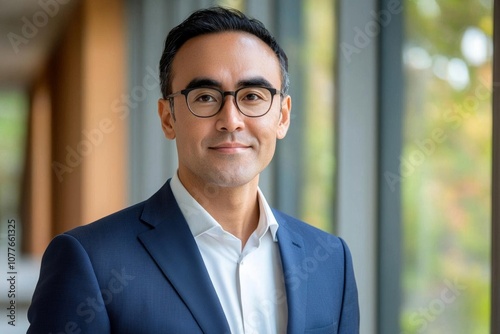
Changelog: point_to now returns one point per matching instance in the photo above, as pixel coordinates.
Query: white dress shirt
(249, 282)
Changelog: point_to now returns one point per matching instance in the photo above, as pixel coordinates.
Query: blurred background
(390, 144)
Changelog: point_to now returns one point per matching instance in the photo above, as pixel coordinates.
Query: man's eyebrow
(203, 82)
(257, 81)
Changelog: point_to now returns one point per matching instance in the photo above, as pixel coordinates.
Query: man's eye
(206, 98)
(254, 94)
(252, 97)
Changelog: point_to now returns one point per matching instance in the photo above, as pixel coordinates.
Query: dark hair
(214, 20)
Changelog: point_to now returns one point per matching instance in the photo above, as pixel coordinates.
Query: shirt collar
(201, 222)
(267, 214)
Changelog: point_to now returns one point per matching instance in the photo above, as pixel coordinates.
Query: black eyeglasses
(252, 101)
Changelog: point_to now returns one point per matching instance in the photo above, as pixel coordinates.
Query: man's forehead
(239, 39)
(214, 55)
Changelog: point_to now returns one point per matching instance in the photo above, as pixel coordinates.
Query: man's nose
(229, 118)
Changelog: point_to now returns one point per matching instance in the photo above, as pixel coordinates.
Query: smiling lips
(229, 147)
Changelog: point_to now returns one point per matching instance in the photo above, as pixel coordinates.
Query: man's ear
(167, 118)
(284, 122)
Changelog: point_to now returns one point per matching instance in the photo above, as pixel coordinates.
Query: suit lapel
(292, 256)
(172, 246)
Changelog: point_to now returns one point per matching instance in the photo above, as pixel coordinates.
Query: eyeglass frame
(233, 93)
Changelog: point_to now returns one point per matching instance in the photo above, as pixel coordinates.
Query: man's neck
(236, 209)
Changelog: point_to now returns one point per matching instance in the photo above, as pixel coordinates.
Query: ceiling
(28, 31)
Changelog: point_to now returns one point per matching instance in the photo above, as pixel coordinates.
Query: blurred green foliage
(446, 186)
(319, 155)
(13, 130)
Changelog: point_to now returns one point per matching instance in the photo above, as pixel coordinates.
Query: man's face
(228, 149)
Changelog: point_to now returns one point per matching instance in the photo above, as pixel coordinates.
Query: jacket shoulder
(125, 220)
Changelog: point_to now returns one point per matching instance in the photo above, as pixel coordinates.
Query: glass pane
(318, 88)
(445, 167)
(13, 126)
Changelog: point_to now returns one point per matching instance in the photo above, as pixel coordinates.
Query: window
(319, 158)
(445, 166)
(13, 127)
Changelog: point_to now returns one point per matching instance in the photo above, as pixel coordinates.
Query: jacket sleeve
(349, 319)
(67, 297)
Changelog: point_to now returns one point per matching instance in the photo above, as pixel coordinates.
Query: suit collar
(292, 252)
(172, 246)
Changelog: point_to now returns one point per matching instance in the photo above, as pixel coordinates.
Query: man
(206, 253)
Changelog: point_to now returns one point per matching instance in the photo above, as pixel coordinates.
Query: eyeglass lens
(251, 101)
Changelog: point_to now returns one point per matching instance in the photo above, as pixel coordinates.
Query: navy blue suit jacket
(140, 271)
